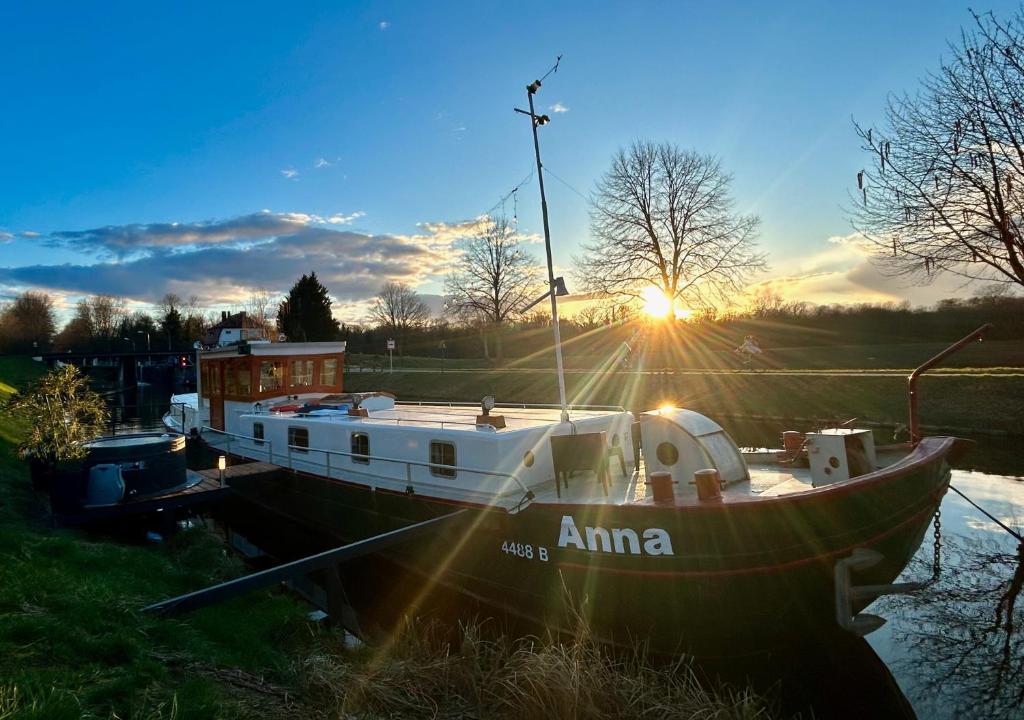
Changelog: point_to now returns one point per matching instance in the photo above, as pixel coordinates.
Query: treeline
(100, 323)
(104, 324)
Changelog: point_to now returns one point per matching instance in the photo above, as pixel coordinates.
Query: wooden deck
(205, 492)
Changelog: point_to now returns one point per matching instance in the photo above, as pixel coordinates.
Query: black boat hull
(710, 578)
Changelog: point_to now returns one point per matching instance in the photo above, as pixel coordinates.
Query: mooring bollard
(661, 487)
(709, 484)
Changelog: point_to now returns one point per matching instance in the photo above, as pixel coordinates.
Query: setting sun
(656, 303)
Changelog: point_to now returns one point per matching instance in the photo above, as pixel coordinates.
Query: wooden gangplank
(329, 559)
(207, 491)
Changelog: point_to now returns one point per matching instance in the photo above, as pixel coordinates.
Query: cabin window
(329, 372)
(215, 379)
(204, 379)
(442, 454)
(298, 438)
(257, 433)
(230, 381)
(270, 375)
(244, 378)
(360, 448)
(667, 453)
(302, 373)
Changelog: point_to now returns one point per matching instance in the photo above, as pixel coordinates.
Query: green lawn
(589, 352)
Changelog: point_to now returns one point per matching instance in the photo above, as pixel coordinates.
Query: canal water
(953, 650)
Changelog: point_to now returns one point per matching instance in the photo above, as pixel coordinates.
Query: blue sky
(395, 121)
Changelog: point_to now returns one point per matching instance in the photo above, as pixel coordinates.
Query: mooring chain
(936, 545)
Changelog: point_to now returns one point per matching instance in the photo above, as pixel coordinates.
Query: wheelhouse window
(214, 384)
(360, 448)
(329, 372)
(442, 459)
(230, 379)
(257, 433)
(302, 373)
(298, 438)
(243, 377)
(271, 375)
(204, 379)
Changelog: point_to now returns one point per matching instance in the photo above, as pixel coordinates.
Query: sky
(212, 148)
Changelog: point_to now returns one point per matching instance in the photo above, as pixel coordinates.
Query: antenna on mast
(554, 288)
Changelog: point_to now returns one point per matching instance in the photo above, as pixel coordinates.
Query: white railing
(242, 442)
(524, 406)
(297, 457)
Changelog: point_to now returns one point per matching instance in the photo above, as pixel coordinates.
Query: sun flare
(656, 303)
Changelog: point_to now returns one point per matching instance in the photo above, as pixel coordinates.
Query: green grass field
(583, 353)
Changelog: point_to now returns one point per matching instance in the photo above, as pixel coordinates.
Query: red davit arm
(915, 431)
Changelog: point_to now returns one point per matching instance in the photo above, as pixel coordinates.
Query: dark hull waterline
(715, 579)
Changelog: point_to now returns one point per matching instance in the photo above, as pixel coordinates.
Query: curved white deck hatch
(681, 442)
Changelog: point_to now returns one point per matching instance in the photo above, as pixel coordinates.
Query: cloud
(558, 108)
(30, 234)
(221, 261)
(6, 237)
(120, 241)
(290, 173)
(844, 271)
(322, 163)
(383, 25)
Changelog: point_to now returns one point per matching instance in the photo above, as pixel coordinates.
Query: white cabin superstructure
(283, 403)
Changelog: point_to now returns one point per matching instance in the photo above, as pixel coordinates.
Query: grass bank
(74, 644)
(594, 350)
(977, 402)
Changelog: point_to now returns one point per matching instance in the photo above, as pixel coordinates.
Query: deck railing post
(408, 477)
(327, 455)
(270, 452)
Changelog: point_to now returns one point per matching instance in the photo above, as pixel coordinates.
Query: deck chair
(575, 453)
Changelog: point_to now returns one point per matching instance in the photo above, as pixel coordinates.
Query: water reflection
(957, 648)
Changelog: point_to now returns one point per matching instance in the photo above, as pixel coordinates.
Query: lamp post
(149, 348)
(553, 290)
(129, 340)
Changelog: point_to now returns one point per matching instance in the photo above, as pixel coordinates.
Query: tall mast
(536, 121)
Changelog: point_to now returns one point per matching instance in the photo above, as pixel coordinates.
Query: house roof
(238, 321)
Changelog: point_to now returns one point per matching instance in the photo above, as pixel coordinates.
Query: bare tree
(27, 323)
(399, 309)
(257, 308)
(495, 280)
(945, 189)
(664, 216)
(107, 313)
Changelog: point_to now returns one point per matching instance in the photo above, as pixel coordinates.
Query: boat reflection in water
(960, 644)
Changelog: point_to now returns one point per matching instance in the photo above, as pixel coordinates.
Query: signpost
(391, 357)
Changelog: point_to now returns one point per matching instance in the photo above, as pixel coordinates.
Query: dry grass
(426, 673)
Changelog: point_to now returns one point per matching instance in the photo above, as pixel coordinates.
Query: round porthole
(528, 458)
(668, 454)
(833, 461)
